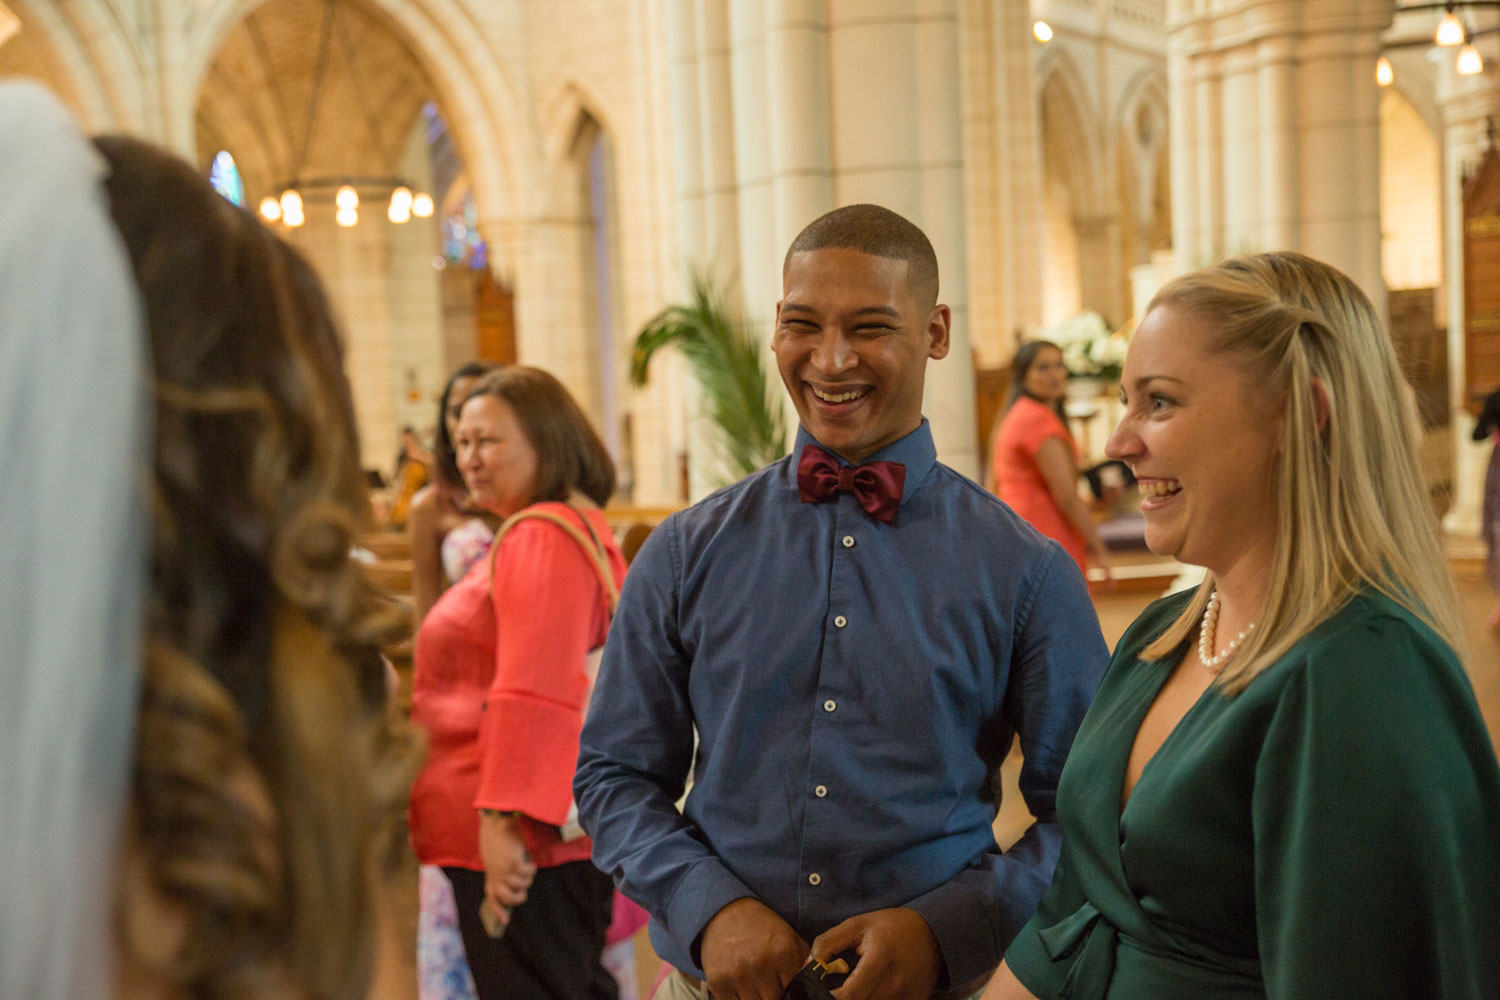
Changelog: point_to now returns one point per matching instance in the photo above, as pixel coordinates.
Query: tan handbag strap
(592, 548)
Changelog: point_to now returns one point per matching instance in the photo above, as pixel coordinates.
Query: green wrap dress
(1332, 831)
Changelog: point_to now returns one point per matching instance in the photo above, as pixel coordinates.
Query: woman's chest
(1184, 844)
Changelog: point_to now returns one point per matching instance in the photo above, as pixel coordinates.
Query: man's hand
(898, 956)
(749, 953)
(508, 869)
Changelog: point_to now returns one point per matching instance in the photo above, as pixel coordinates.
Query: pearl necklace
(1206, 637)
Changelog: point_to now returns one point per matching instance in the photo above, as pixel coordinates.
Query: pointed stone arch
(475, 89)
(1067, 116)
(1141, 156)
(90, 49)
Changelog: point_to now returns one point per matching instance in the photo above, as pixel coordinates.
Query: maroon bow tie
(876, 485)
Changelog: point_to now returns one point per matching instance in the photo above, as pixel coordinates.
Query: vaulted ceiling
(322, 88)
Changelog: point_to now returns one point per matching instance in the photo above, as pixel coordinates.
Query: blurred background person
(1035, 460)
(1488, 426)
(501, 687)
(1284, 787)
(411, 473)
(447, 535)
(203, 750)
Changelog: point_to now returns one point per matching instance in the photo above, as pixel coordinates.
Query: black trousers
(553, 946)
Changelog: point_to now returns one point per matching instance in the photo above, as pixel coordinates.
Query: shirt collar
(915, 451)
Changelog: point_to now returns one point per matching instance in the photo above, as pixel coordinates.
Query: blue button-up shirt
(854, 686)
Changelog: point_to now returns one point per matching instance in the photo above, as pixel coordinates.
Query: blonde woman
(1284, 787)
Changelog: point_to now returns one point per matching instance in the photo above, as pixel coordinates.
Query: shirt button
(841, 621)
(830, 705)
(814, 879)
(821, 791)
(848, 541)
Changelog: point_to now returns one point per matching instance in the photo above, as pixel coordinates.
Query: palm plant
(747, 422)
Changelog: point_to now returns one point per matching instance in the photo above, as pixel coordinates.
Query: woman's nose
(1123, 442)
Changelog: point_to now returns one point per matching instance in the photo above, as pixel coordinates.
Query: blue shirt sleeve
(1057, 663)
(635, 754)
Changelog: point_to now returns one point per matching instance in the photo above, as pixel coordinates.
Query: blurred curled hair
(1352, 508)
(263, 680)
(446, 459)
(569, 454)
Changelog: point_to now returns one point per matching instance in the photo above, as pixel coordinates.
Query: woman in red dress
(501, 688)
(1035, 460)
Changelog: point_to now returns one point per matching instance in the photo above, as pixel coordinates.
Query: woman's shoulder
(1152, 622)
(1030, 418)
(1372, 653)
(543, 523)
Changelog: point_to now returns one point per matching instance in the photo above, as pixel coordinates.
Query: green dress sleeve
(1376, 818)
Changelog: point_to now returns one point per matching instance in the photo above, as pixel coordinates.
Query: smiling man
(857, 633)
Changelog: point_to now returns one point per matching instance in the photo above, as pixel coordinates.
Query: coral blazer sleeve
(549, 611)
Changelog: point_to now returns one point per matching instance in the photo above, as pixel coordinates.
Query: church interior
(532, 181)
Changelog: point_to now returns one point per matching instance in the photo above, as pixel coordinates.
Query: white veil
(74, 439)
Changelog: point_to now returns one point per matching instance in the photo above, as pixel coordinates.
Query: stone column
(760, 270)
(896, 141)
(798, 140)
(1275, 103)
(1003, 176)
(354, 265)
(1100, 265)
(1183, 139)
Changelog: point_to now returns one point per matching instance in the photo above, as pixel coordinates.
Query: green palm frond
(747, 421)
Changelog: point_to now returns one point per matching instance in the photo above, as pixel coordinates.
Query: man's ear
(1322, 404)
(939, 322)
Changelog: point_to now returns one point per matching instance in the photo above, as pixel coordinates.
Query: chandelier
(343, 192)
(1452, 31)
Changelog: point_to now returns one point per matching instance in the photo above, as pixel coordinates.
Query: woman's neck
(1242, 588)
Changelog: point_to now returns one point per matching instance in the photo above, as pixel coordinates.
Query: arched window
(225, 177)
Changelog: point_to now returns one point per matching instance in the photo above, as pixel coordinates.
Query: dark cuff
(703, 892)
(967, 930)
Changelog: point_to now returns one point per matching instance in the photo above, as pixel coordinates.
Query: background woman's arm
(427, 580)
(1055, 461)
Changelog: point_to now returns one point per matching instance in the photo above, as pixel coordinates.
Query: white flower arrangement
(1090, 349)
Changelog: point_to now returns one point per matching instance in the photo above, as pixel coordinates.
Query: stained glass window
(462, 244)
(225, 177)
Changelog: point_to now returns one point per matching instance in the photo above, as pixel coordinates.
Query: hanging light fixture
(1042, 32)
(289, 209)
(399, 211)
(1469, 62)
(1452, 31)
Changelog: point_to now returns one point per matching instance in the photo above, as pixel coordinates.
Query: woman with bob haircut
(502, 684)
(206, 762)
(1284, 787)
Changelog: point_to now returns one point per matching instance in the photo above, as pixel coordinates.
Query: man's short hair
(879, 232)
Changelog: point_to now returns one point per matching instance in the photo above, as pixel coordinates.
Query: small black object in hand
(816, 981)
